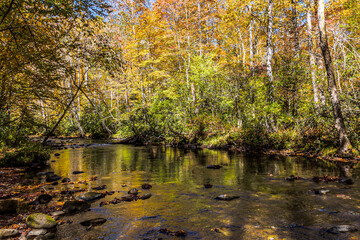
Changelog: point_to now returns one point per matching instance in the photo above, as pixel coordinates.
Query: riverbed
(268, 206)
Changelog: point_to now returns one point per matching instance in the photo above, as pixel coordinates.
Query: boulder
(8, 233)
(57, 213)
(127, 198)
(146, 196)
(36, 232)
(8, 205)
(89, 196)
(133, 191)
(342, 229)
(39, 220)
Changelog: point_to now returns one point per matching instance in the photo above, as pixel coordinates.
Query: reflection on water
(268, 207)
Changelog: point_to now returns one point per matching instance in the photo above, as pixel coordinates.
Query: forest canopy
(257, 74)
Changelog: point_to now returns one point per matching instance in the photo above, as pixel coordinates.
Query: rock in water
(8, 233)
(208, 185)
(226, 197)
(127, 198)
(89, 196)
(321, 191)
(57, 214)
(133, 191)
(66, 180)
(39, 220)
(75, 206)
(44, 198)
(214, 166)
(93, 222)
(342, 229)
(348, 181)
(146, 186)
(293, 178)
(146, 196)
(99, 187)
(8, 205)
(36, 232)
(77, 172)
(53, 178)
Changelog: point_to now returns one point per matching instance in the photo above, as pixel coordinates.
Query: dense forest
(255, 74)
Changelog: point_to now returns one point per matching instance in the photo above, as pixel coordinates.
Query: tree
(335, 102)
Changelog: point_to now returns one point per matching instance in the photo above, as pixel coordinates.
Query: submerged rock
(75, 206)
(225, 197)
(342, 229)
(8, 205)
(39, 220)
(89, 196)
(146, 196)
(180, 233)
(93, 222)
(8, 233)
(99, 187)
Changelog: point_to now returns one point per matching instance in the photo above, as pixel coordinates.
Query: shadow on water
(268, 207)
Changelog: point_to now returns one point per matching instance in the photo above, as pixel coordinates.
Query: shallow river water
(268, 207)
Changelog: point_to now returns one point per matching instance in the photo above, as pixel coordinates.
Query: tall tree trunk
(269, 55)
(242, 47)
(200, 28)
(295, 32)
(338, 117)
(269, 50)
(312, 54)
(75, 111)
(251, 47)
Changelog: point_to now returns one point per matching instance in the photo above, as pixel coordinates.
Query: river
(268, 207)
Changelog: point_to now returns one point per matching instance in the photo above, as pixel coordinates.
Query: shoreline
(352, 160)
